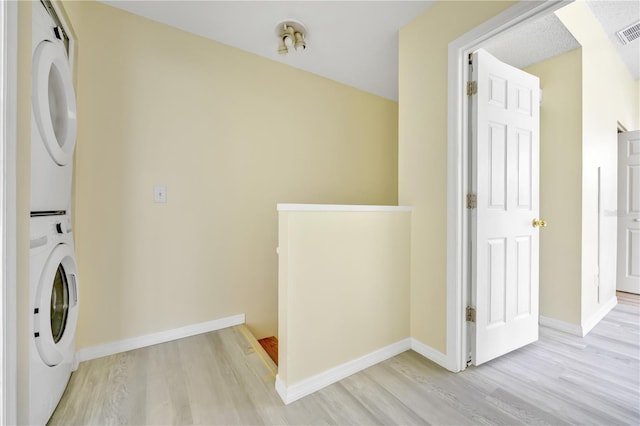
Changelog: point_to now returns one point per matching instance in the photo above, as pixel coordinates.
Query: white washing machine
(53, 298)
(53, 116)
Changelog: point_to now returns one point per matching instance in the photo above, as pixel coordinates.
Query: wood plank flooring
(628, 298)
(270, 346)
(223, 378)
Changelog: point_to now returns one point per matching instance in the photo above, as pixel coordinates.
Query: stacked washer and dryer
(53, 289)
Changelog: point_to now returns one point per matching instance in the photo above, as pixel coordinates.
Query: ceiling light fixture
(291, 33)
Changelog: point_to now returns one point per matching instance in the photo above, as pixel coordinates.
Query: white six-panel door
(629, 212)
(505, 179)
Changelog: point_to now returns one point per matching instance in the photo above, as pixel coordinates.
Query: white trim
(556, 324)
(340, 208)
(597, 316)
(457, 164)
(432, 354)
(93, 352)
(281, 388)
(292, 393)
(8, 146)
(586, 327)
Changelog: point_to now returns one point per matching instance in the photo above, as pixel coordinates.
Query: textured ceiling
(532, 42)
(614, 16)
(356, 42)
(546, 37)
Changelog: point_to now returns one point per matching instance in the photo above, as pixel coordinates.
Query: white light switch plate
(160, 194)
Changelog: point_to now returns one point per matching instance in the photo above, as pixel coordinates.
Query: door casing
(8, 146)
(457, 165)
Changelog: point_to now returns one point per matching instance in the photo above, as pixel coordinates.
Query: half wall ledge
(340, 208)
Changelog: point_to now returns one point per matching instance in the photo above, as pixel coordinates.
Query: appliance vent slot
(629, 34)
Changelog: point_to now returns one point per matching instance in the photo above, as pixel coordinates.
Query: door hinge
(471, 314)
(472, 88)
(472, 201)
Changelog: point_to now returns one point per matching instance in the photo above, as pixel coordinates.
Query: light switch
(160, 194)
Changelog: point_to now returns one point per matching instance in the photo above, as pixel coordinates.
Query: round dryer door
(54, 101)
(56, 312)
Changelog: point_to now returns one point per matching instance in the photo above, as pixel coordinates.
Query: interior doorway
(628, 268)
(458, 260)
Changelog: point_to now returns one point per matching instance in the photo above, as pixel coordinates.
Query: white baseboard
(292, 393)
(556, 324)
(431, 354)
(588, 325)
(281, 388)
(93, 352)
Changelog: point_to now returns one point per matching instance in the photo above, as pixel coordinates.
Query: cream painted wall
(230, 134)
(609, 96)
(422, 151)
(23, 200)
(344, 287)
(560, 185)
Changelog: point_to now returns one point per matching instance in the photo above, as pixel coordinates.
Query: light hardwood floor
(222, 378)
(628, 298)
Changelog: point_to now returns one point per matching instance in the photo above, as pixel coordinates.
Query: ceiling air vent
(629, 34)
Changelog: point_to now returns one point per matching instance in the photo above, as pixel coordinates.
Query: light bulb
(282, 48)
(299, 44)
(288, 41)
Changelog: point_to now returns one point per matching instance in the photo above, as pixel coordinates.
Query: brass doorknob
(539, 223)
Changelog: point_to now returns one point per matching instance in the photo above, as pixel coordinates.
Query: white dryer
(53, 116)
(53, 298)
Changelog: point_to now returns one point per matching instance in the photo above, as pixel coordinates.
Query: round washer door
(56, 310)
(54, 101)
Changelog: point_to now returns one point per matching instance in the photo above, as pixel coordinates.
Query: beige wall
(422, 147)
(423, 158)
(23, 177)
(230, 134)
(560, 184)
(609, 96)
(344, 287)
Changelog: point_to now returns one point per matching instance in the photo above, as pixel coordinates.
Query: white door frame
(457, 165)
(8, 145)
